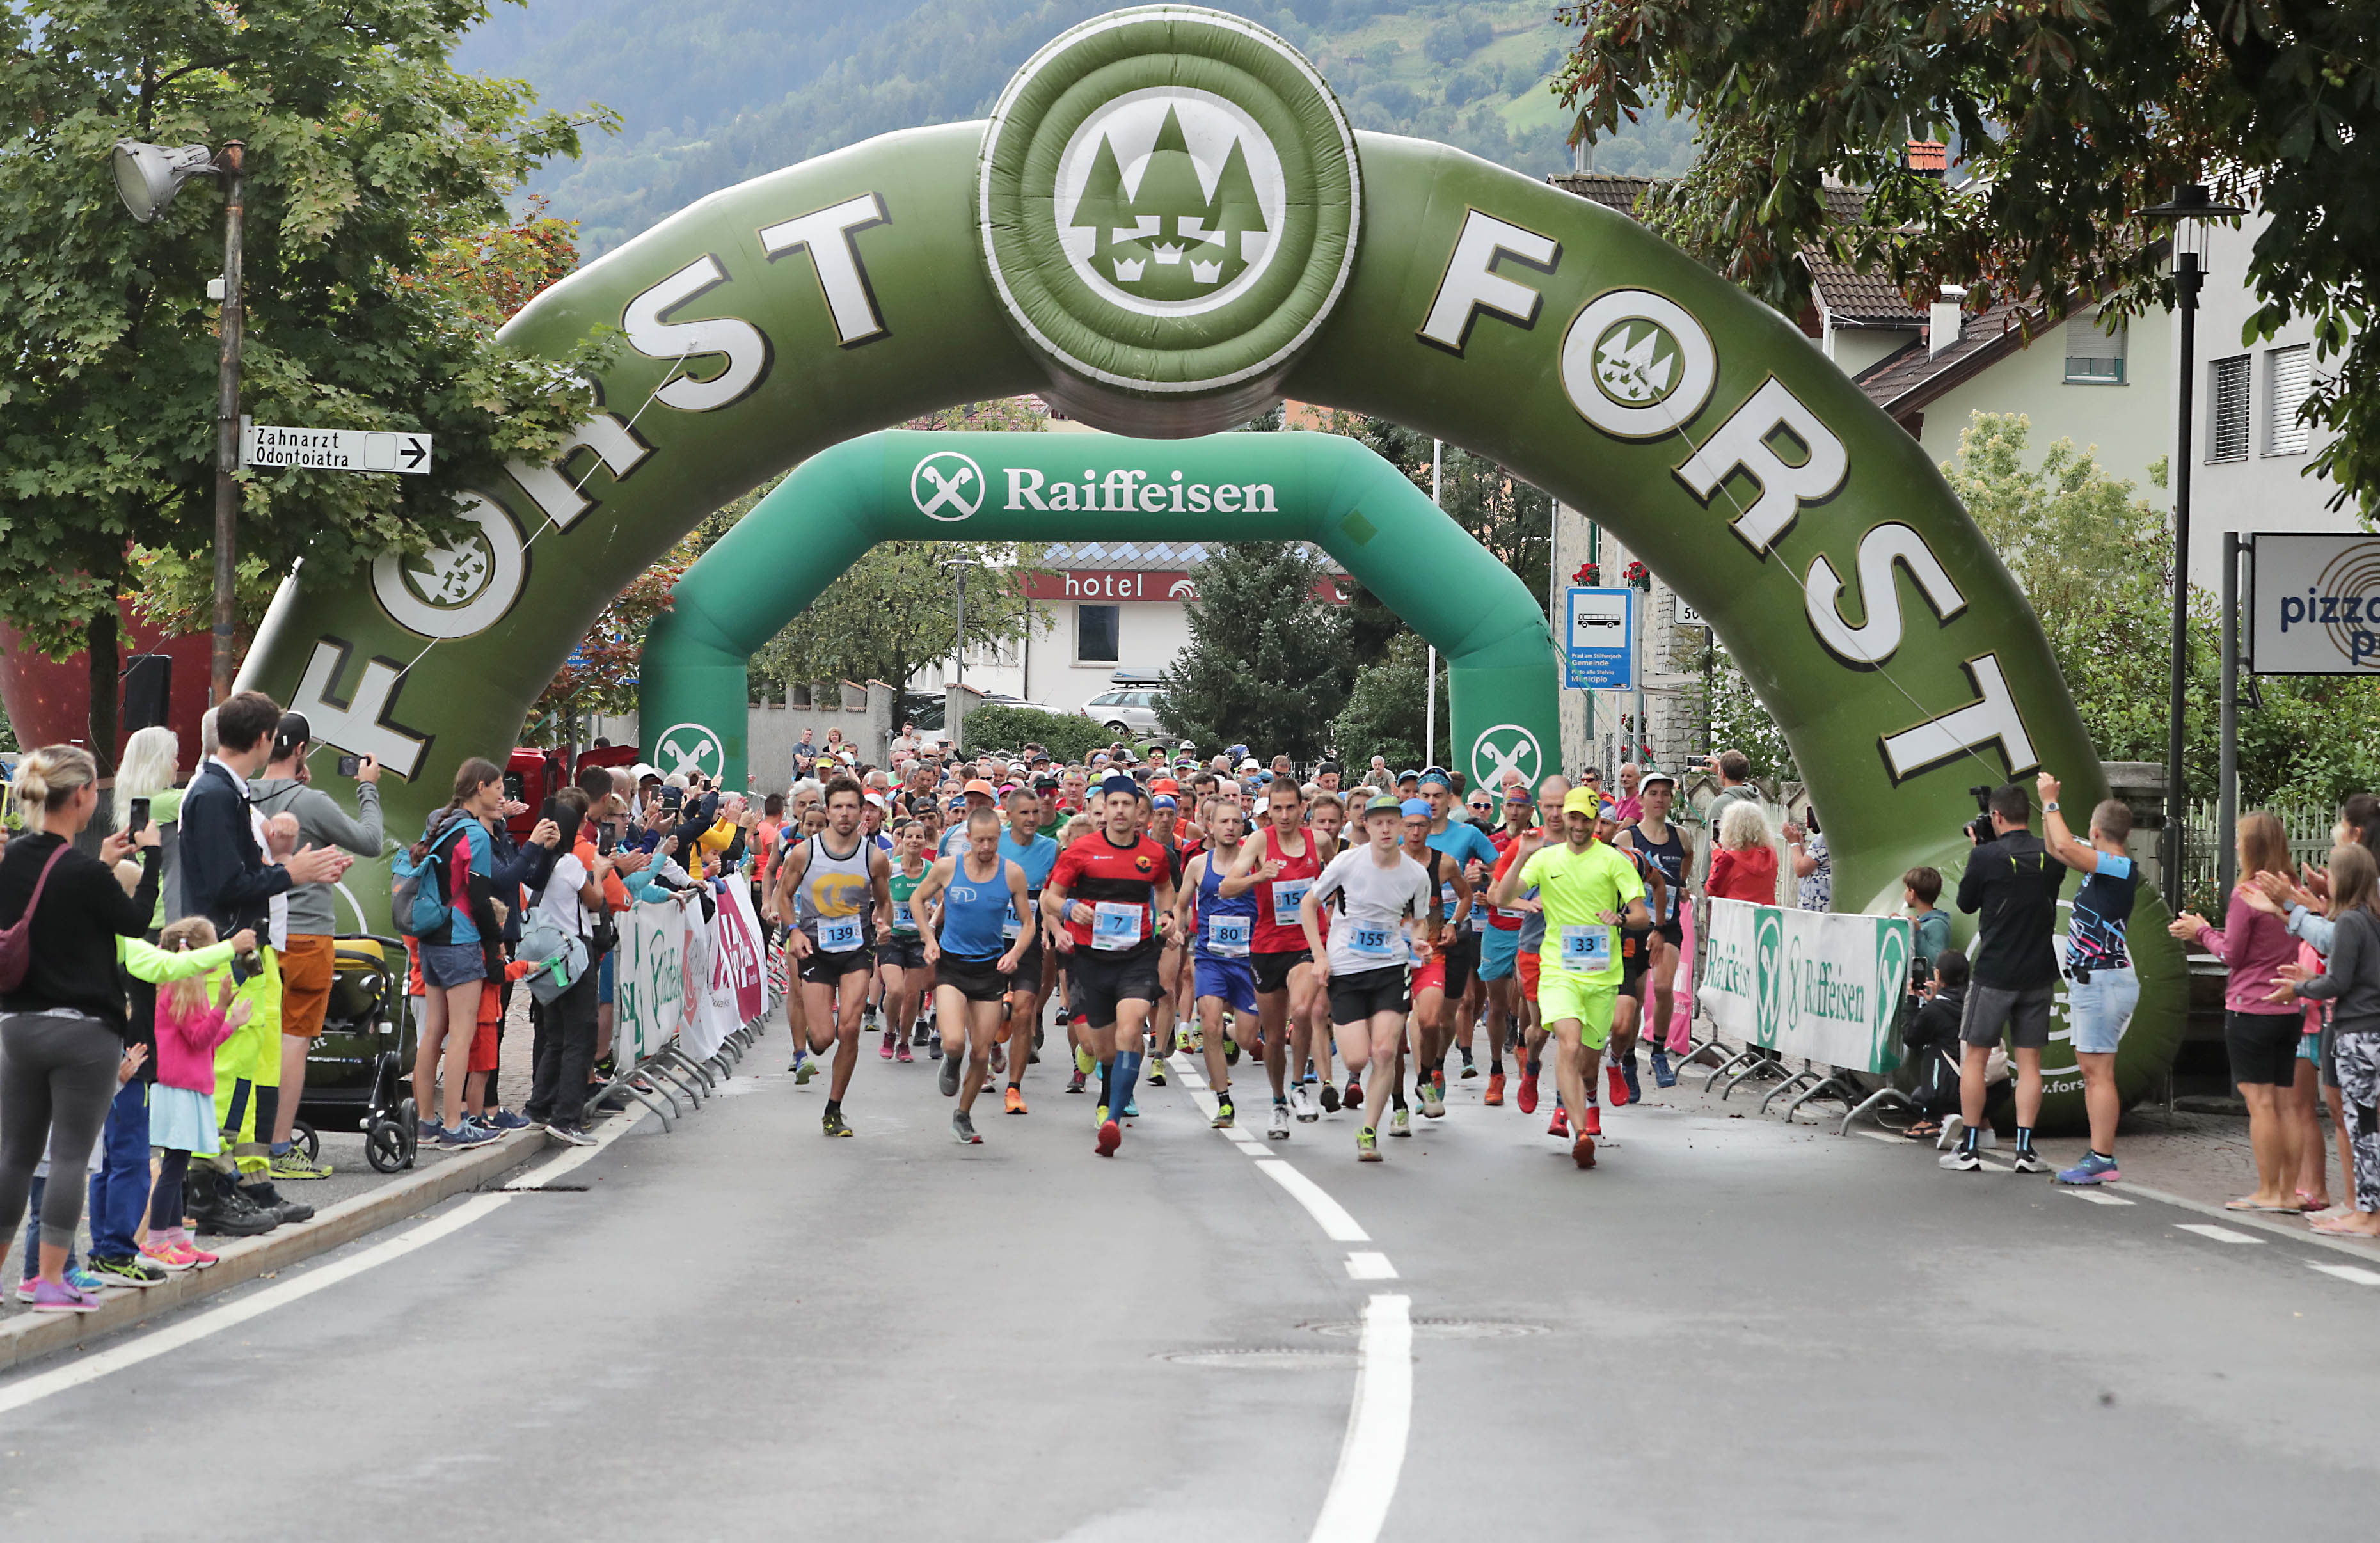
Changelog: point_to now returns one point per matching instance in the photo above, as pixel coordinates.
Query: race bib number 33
(1586, 950)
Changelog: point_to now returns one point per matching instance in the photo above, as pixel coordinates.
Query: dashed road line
(2356, 1274)
(1368, 1265)
(2214, 1233)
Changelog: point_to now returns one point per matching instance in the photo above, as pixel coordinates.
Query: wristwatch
(2050, 807)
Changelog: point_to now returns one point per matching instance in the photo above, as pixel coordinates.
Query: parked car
(1129, 713)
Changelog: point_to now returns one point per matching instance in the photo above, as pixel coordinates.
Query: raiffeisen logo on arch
(1128, 490)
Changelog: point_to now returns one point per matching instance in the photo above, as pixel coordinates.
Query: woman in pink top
(2259, 1034)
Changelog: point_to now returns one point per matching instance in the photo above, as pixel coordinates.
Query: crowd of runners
(1349, 935)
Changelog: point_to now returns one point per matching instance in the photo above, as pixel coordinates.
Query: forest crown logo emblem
(1168, 200)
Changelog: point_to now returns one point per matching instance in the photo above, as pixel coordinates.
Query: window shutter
(2227, 409)
(2290, 381)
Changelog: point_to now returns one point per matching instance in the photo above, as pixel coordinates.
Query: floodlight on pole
(147, 176)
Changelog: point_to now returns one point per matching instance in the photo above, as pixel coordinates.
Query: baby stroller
(357, 1074)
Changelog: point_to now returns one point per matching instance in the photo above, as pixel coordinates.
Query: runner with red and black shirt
(1110, 898)
(1280, 864)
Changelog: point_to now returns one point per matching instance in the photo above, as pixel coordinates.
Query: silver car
(1127, 710)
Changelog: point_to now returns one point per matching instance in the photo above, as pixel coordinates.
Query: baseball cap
(1408, 776)
(1381, 801)
(1326, 767)
(1654, 774)
(1517, 793)
(1119, 784)
(1165, 785)
(292, 732)
(1582, 800)
(1166, 801)
(976, 785)
(1415, 808)
(1434, 774)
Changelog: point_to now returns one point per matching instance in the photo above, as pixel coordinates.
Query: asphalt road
(741, 1330)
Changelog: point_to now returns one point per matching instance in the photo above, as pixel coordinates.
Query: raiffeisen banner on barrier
(680, 977)
(1807, 983)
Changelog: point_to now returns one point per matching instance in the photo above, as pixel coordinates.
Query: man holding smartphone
(306, 954)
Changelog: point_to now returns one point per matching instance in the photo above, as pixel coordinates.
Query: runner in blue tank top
(1034, 853)
(1224, 929)
(971, 959)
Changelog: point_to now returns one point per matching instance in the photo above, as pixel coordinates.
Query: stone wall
(1670, 666)
(864, 713)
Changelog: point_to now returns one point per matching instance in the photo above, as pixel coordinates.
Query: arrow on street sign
(266, 444)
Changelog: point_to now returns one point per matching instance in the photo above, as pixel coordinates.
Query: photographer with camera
(2103, 989)
(306, 955)
(2012, 882)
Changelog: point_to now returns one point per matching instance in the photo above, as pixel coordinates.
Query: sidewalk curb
(31, 1336)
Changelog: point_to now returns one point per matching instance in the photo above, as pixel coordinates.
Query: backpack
(426, 911)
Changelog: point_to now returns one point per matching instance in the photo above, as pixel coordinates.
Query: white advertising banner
(652, 980)
(1807, 983)
(2314, 605)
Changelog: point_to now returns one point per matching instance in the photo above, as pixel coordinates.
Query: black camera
(1979, 830)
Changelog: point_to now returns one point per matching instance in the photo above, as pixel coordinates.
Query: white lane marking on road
(2356, 1274)
(1337, 1225)
(1368, 1265)
(1372, 1456)
(2219, 1235)
(1243, 1140)
(2095, 1196)
(175, 1336)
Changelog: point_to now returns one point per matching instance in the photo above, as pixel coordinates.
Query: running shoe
(505, 1120)
(1012, 1101)
(1593, 1124)
(1223, 1119)
(1132, 1109)
(292, 1164)
(1157, 1073)
(1280, 1129)
(918, 1034)
(1075, 1083)
(1100, 1116)
(1468, 1069)
(1400, 1122)
(1187, 1038)
(571, 1135)
(934, 1048)
(2092, 1168)
(1494, 1089)
(78, 1278)
(1110, 1137)
(830, 1123)
(901, 1054)
(1635, 1088)
(1615, 1087)
(127, 1271)
(1305, 1105)
(1581, 1151)
(1329, 1094)
(1231, 1050)
(199, 1257)
(1960, 1160)
(1559, 1124)
(963, 1129)
(1433, 1102)
(464, 1134)
(2027, 1161)
(999, 1060)
(884, 1050)
(1084, 1064)
(949, 1077)
(805, 1069)
(1528, 1098)
(1662, 1075)
(1437, 1079)
(1354, 1097)
(47, 1298)
(167, 1254)
(1368, 1145)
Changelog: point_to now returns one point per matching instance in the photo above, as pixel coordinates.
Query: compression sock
(1971, 1139)
(2024, 1139)
(1125, 1073)
(834, 1106)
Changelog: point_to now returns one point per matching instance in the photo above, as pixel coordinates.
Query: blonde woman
(1744, 865)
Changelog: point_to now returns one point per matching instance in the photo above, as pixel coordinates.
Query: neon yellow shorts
(1561, 995)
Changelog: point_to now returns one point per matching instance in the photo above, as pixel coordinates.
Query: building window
(2093, 358)
(1097, 631)
(2289, 379)
(2227, 409)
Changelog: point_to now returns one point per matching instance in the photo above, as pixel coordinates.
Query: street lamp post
(2189, 205)
(147, 178)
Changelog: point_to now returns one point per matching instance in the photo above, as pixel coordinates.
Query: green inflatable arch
(1165, 224)
(902, 486)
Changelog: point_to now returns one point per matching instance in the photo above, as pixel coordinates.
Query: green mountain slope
(718, 91)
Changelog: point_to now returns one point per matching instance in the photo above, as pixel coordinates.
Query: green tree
(601, 674)
(1383, 716)
(1265, 663)
(366, 151)
(2069, 116)
(1512, 519)
(895, 611)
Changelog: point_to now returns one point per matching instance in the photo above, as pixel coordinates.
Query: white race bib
(1115, 924)
(1586, 950)
(1288, 895)
(838, 934)
(1228, 937)
(1009, 925)
(1373, 942)
(902, 920)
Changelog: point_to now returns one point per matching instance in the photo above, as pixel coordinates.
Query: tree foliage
(2070, 115)
(601, 674)
(996, 727)
(1384, 713)
(366, 151)
(1266, 662)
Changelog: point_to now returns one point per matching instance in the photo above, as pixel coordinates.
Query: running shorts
(976, 979)
(1636, 957)
(1354, 998)
(902, 951)
(821, 968)
(1227, 980)
(307, 965)
(1525, 966)
(1562, 995)
(1674, 930)
(1430, 977)
(1028, 965)
(1272, 969)
(1460, 959)
(1103, 980)
(1499, 954)
(2025, 1014)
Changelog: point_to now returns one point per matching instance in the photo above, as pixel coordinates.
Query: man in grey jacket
(307, 960)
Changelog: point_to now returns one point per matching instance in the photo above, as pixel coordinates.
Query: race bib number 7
(1115, 924)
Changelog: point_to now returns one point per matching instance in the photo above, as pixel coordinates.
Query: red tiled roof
(1905, 380)
(1617, 193)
